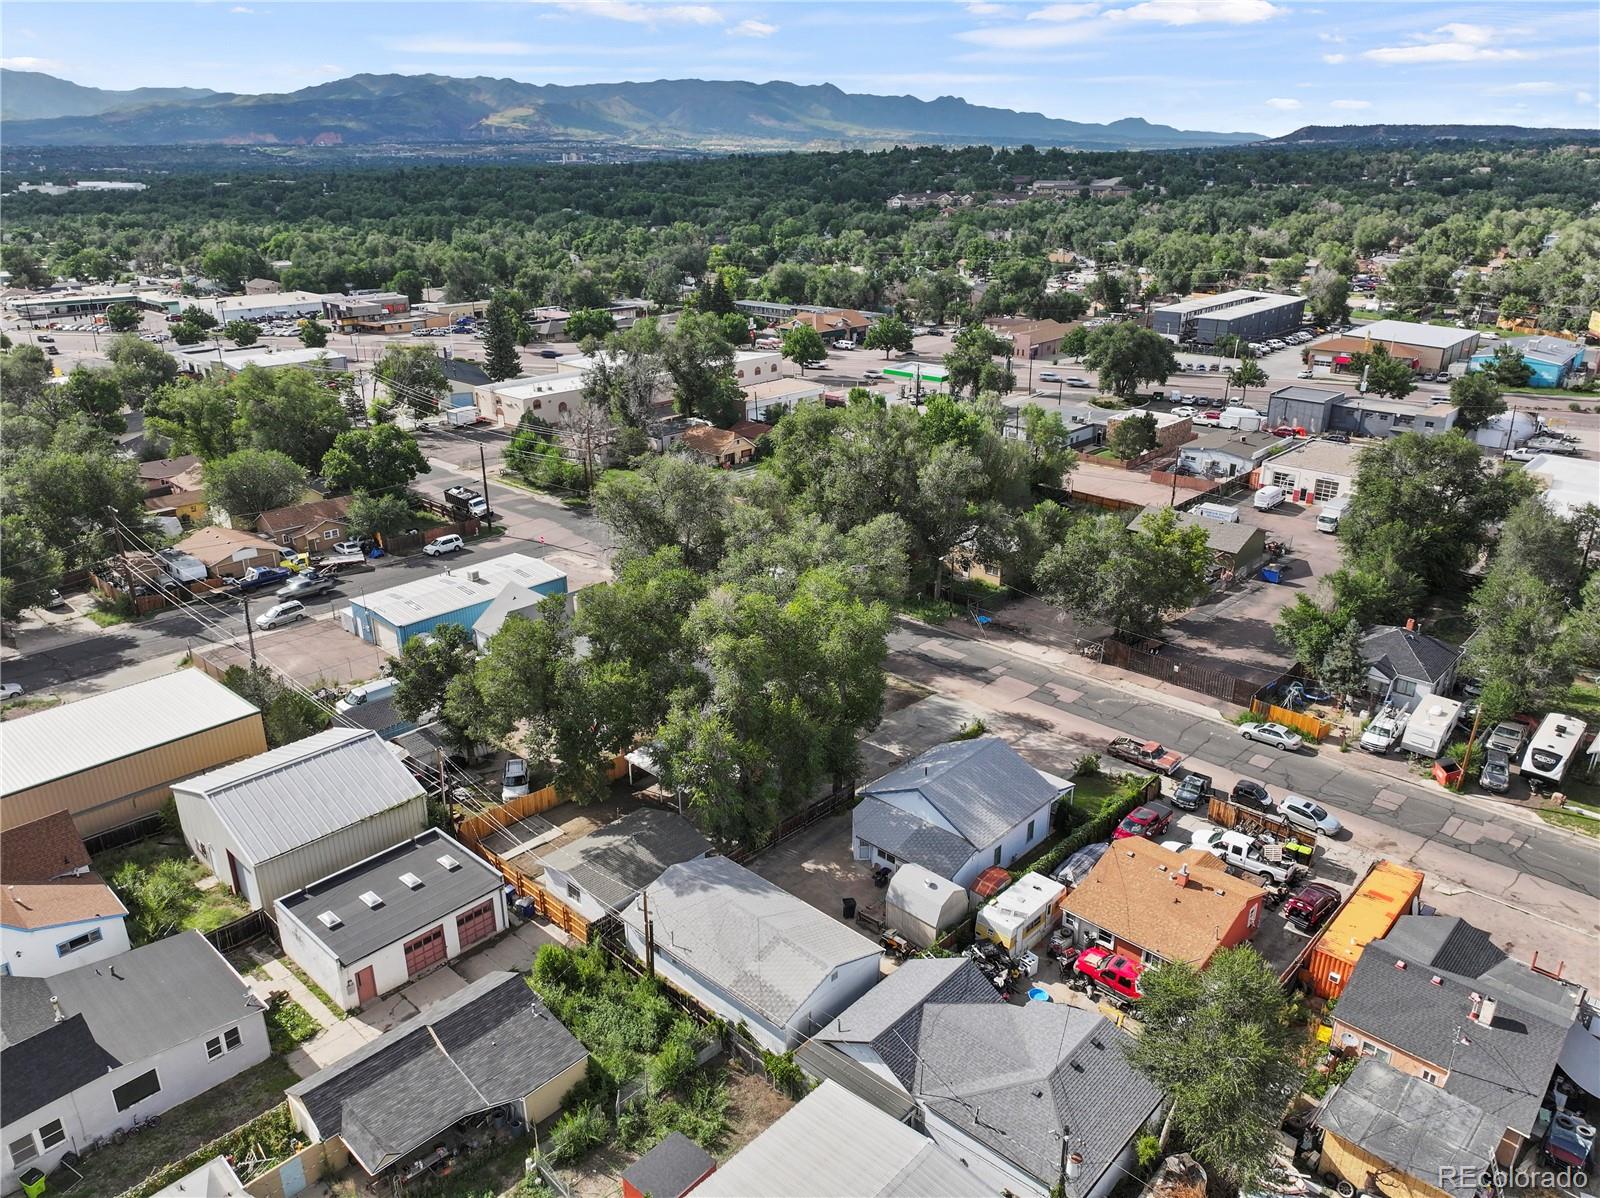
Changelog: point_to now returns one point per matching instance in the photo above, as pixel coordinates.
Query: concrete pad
(440, 984)
(1495, 832)
(514, 951)
(1260, 761)
(1065, 693)
(1393, 796)
(1005, 688)
(385, 1013)
(1451, 826)
(937, 647)
(816, 865)
(310, 652)
(331, 1047)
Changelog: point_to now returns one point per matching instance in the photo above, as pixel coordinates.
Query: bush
(972, 731)
(786, 1077)
(288, 1023)
(1148, 1151)
(1088, 766)
(1319, 1082)
(671, 1065)
(577, 1133)
(1116, 806)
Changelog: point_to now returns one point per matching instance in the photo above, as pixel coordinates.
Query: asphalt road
(1336, 779)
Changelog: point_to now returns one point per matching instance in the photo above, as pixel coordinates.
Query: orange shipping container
(1384, 895)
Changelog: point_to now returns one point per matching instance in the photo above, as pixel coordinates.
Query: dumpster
(1447, 773)
(1271, 574)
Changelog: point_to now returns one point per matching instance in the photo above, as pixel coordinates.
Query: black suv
(1247, 792)
(1194, 791)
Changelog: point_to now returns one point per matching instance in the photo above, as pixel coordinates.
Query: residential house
(719, 447)
(491, 1048)
(391, 617)
(916, 200)
(1403, 664)
(1552, 360)
(88, 1051)
(1436, 1000)
(833, 1143)
(752, 430)
(995, 1084)
(956, 810)
(1313, 471)
(782, 394)
(307, 527)
(1152, 904)
(55, 913)
(229, 552)
(186, 507)
(276, 822)
(1031, 338)
(668, 432)
(601, 873)
(1567, 483)
(174, 487)
(834, 324)
(112, 758)
(1424, 347)
(669, 1170)
(749, 952)
(382, 922)
(1097, 189)
(260, 286)
(1224, 452)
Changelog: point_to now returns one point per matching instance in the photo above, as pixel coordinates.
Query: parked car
(1151, 754)
(257, 577)
(514, 780)
(1275, 735)
(347, 548)
(1313, 817)
(1337, 438)
(281, 613)
(1194, 791)
(10, 690)
(1148, 820)
(1049, 376)
(448, 543)
(1309, 907)
(1304, 374)
(304, 585)
(367, 692)
(1496, 773)
(1520, 455)
(1247, 854)
(1247, 792)
(1507, 737)
(1107, 968)
(43, 339)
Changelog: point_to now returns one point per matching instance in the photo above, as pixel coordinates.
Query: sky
(1262, 66)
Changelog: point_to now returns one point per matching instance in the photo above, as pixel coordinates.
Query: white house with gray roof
(278, 821)
(87, 1051)
(749, 952)
(995, 1084)
(1403, 664)
(956, 810)
(601, 873)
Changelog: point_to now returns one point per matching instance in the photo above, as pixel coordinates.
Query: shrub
(1088, 766)
(671, 1065)
(577, 1133)
(1319, 1082)
(972, 731)
(288, 1023)
(1148, 1151)
(1116, 806)
(786, 1077)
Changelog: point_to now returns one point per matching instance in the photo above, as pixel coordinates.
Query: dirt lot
(310, 652)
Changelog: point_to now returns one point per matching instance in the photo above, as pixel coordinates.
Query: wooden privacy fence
(248, 927)
(1181, 671)
(1300, 721)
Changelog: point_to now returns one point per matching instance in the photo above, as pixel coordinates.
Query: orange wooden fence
(1300, 721)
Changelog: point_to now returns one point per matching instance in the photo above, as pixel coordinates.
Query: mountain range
(1371, 135)
(41, 110)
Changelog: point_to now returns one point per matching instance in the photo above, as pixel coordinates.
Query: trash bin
(1447, 773)
(32, 1182)
(1270, 574)
(849, 907)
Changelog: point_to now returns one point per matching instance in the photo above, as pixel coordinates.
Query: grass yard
(289, 1025)
(304, 979)
(114, 1169)
(1572, 822)
(154, 913)
(108, 614)
(18, 707)
(1090, 792)
(1582, 700)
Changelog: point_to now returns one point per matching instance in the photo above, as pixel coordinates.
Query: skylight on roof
(371, 898)
(448, 862)
(330, 921)
(412, 881)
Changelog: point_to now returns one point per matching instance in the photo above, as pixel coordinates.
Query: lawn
(23, 706)
(1088, 793)
(1572, 822)
(114, 1169)
(108, 614)
(1581, 700)
(193, 908)
(288, 1024)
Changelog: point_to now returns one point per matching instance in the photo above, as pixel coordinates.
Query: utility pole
(1466, 758)
(249, 629)
(649, 936)
(1511, 429)
(483, 471)
(122, 556)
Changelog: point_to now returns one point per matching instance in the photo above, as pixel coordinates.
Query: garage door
(472, 926)
(387, 638)
(426, 951)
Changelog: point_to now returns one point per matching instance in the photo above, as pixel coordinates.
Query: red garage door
(425, 951)
(472, 926)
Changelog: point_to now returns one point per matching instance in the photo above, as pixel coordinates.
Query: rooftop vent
(371, 898)
(412, 881)
(1399, 964)
(330, 921)
(1436, 980)
(448, 862)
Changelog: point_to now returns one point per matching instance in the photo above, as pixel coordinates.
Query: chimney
(1074, 1165)
(1477, 1006)
(1181, 878)
(1486, 1012)
(55, 1007)
(1411, 625)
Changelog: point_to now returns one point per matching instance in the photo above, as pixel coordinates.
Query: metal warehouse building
(1252, 315)
(112, 758)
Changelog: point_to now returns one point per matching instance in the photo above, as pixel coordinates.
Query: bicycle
(139, 1124)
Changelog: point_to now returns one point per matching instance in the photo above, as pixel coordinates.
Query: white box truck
(1328, 517)
(1245, 419)
(1428, 731)
(1220, 512)
(1268, 497)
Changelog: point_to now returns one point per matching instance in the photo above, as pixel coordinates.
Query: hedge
(271, 1134)
(1092, 832)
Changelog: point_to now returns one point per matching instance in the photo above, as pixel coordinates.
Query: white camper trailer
(1428, 730)
(1020, 916)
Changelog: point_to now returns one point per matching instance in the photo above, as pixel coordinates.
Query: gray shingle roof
(290, 796)
(735, 928)
(905, 990)
(908, 838)
(982, 787)
(617, 861)
(513, 600)
(1013, 1076)
(491, 1043)
(1412, 1125)
(1396, 653)
(1503, 1068)
(118, 1011)
(403, 910)
(670, 1168)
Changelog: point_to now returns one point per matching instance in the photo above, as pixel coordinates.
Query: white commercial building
(203, 358)
(286, 304)
(1569, 483)
(375, 926)
(389, 618)
(547, 396)
(751, 366)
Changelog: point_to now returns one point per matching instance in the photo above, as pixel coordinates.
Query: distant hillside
(685, 113)
(33, 95)
(1345, 135)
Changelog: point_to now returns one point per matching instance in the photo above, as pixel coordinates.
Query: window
(1369, 1049)
(889, 857)
(231, 1039)
(1428, 1075)
(574, 893)
(1281, 479)
(227, 1042)
(1325, 489)
(330, 534)
(77, 942)
(51, 1134)
(1030, 829)
(997, 854)
(131, 1093)
(1404, 686)
(1405, 420)
(1254, 917)
(23, 1150)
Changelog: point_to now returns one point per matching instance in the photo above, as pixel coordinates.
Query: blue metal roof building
(389, 618)
(1552, 359)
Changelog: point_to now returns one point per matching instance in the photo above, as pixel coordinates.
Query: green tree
(72, 495)
(1519, 652)
(380, 516)
(425, 667)
(1508, 369)
(378, 459)
(1133, 435)
(1308, 629)
(1109, 290)
(314, 334)
(1328, 297)
(142, 369)
(197, 416)
(1131, 579)
(1126, 355)
(1234, 1012)
(1076, 343)
(241, 332)
(288, 714)
(890, 334)
(24, 266)
(1382, 374)
(590, 322)
(1535, 539)
(123, 318)
(185, 333)
(803, 346)
(668, 501)
(1477, 399)
(1582, 633)
(94, 392)
(950, 512)
(1246, 375)
(229, 264)
(1342, 668)
(505, 331)
(198, 317)
(699, 359)
(251, 481)
(1050, 455)
(30, 568)
(24, 374)
(414, 375)
(288, 410)
(970, 367)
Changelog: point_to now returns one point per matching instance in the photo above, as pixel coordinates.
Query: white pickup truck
(1248, 855)
(1384, 732)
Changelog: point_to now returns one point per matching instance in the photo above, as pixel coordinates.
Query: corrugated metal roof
(301, 792)
(1405, 332)
(440, 594)
(66, 740)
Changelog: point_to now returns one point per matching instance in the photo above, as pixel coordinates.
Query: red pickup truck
(1147, 753)
(1110, 971)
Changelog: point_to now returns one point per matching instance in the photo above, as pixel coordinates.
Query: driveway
(310, 651)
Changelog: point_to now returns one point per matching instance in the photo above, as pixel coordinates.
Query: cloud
(1199, 12)
(32, 64)
(1336, 38)
(1351, 104)
(1333, 59)
(1283, 105)
(1455, 42)
(1543, 88)
(752, 29)
(1583, 97)
(1062, 12)
(642, 14)
(982, 8)
(240, 8)
(425, 44)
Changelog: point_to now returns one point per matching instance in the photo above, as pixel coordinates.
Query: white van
(367, 692)
(1219, 512)
(1267, 498)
